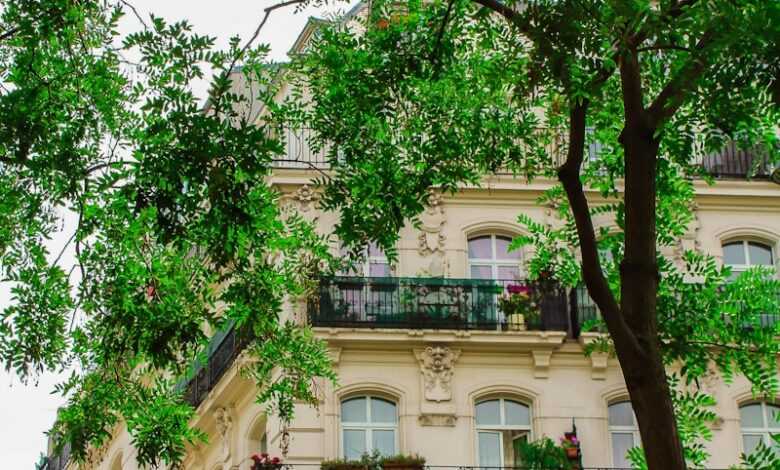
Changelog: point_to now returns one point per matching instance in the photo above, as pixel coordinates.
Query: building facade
(427, 363)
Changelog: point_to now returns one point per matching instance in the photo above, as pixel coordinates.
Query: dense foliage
(176, 232)
(617, 100)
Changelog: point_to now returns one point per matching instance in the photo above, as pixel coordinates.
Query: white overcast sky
(26, 411)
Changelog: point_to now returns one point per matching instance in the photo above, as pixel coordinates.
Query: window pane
(375, 251)
(621, 443)
(383, 441)
(773, 416)
(508, 272)
(760, 254)
(489, 449)
(480, 248)
(382, 411)
(481, 272)
(488, 413)
(354, 443)
(516, 414)
(354, 410)
(750, 442)
(750, 416)
(379, 270)
(502, 249)
(621, 414)
(734, 253)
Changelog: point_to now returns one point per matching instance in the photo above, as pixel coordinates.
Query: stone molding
(437, 365)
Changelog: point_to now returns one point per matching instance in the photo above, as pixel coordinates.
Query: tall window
(490, 258)
(373, 263)
(759, 421)
(367, 424)
(623, 432)
(744, 254)
(501, 425)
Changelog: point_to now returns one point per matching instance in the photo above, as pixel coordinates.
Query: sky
(27, 411)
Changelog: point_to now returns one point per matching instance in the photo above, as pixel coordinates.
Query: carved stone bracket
(432, 220)
(437, 365)
(598, 365)
(306, 197)
(224, 419)
(541, 363)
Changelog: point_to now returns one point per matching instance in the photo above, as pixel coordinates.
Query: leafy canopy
(177, 232)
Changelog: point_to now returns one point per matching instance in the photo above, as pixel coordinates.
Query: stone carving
(437, 364)
(224, 428)
(431, 239)
(306, 197)
(437, 419)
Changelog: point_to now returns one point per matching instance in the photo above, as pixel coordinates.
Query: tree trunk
(641, 360)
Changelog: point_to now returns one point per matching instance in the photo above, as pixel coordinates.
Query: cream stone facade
(430, 379)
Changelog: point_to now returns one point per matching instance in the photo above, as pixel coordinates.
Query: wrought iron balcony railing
(433, 303)
(730, 162)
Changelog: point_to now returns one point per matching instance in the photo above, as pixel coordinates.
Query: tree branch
(505, 11)
(671, 97)
(592, 273)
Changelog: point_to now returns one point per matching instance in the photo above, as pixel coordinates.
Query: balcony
(436, 303)
(730, 162)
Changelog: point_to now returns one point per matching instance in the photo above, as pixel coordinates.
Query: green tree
(174, 217)
(441, 93)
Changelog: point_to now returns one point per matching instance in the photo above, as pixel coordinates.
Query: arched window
(758, 422)
(623, 432)
(368, 423)
(501, 425)
(258, 437)
(490, 258)
(744, 254)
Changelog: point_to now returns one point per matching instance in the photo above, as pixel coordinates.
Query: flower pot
(516, 321)
(572, 452)
(402, 466)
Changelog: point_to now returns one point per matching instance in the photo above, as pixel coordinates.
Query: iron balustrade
(430, 303)
(730, 162)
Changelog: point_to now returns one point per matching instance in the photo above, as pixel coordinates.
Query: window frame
(503, 427)
(745, 243)
(494, 262)
(619, 429)
(363, 267)
(765, 431)
(368, 427)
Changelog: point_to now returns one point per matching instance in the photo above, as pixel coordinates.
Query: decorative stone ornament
(437, 364)
(306, 197)
(432, 220)
(224, 427)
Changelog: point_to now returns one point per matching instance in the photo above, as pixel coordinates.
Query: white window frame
(765, 431)
(500, 428)
(745, 242)
(613, 429)
(369, 427)
(494, 261)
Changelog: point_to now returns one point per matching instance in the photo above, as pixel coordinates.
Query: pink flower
(264, 455)
(518, 289)
(275, 460)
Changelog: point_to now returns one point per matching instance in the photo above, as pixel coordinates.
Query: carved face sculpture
(439, 356)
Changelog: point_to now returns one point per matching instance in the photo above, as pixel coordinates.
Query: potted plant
(571, 445)
(520, 306)
(264, 461)
(403, 462)
(341, 464)
(543, 454)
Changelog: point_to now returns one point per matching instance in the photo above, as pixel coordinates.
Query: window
(623, 432)
(373, 264)
(501, 425)
(368, 423)
(490, 258)
(744, 254)
(758, 422)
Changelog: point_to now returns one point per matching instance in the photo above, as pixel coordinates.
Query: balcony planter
(516, 322)
(341, 464)
(403, 462)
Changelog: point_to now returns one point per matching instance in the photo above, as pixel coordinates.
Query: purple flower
(518, 289)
